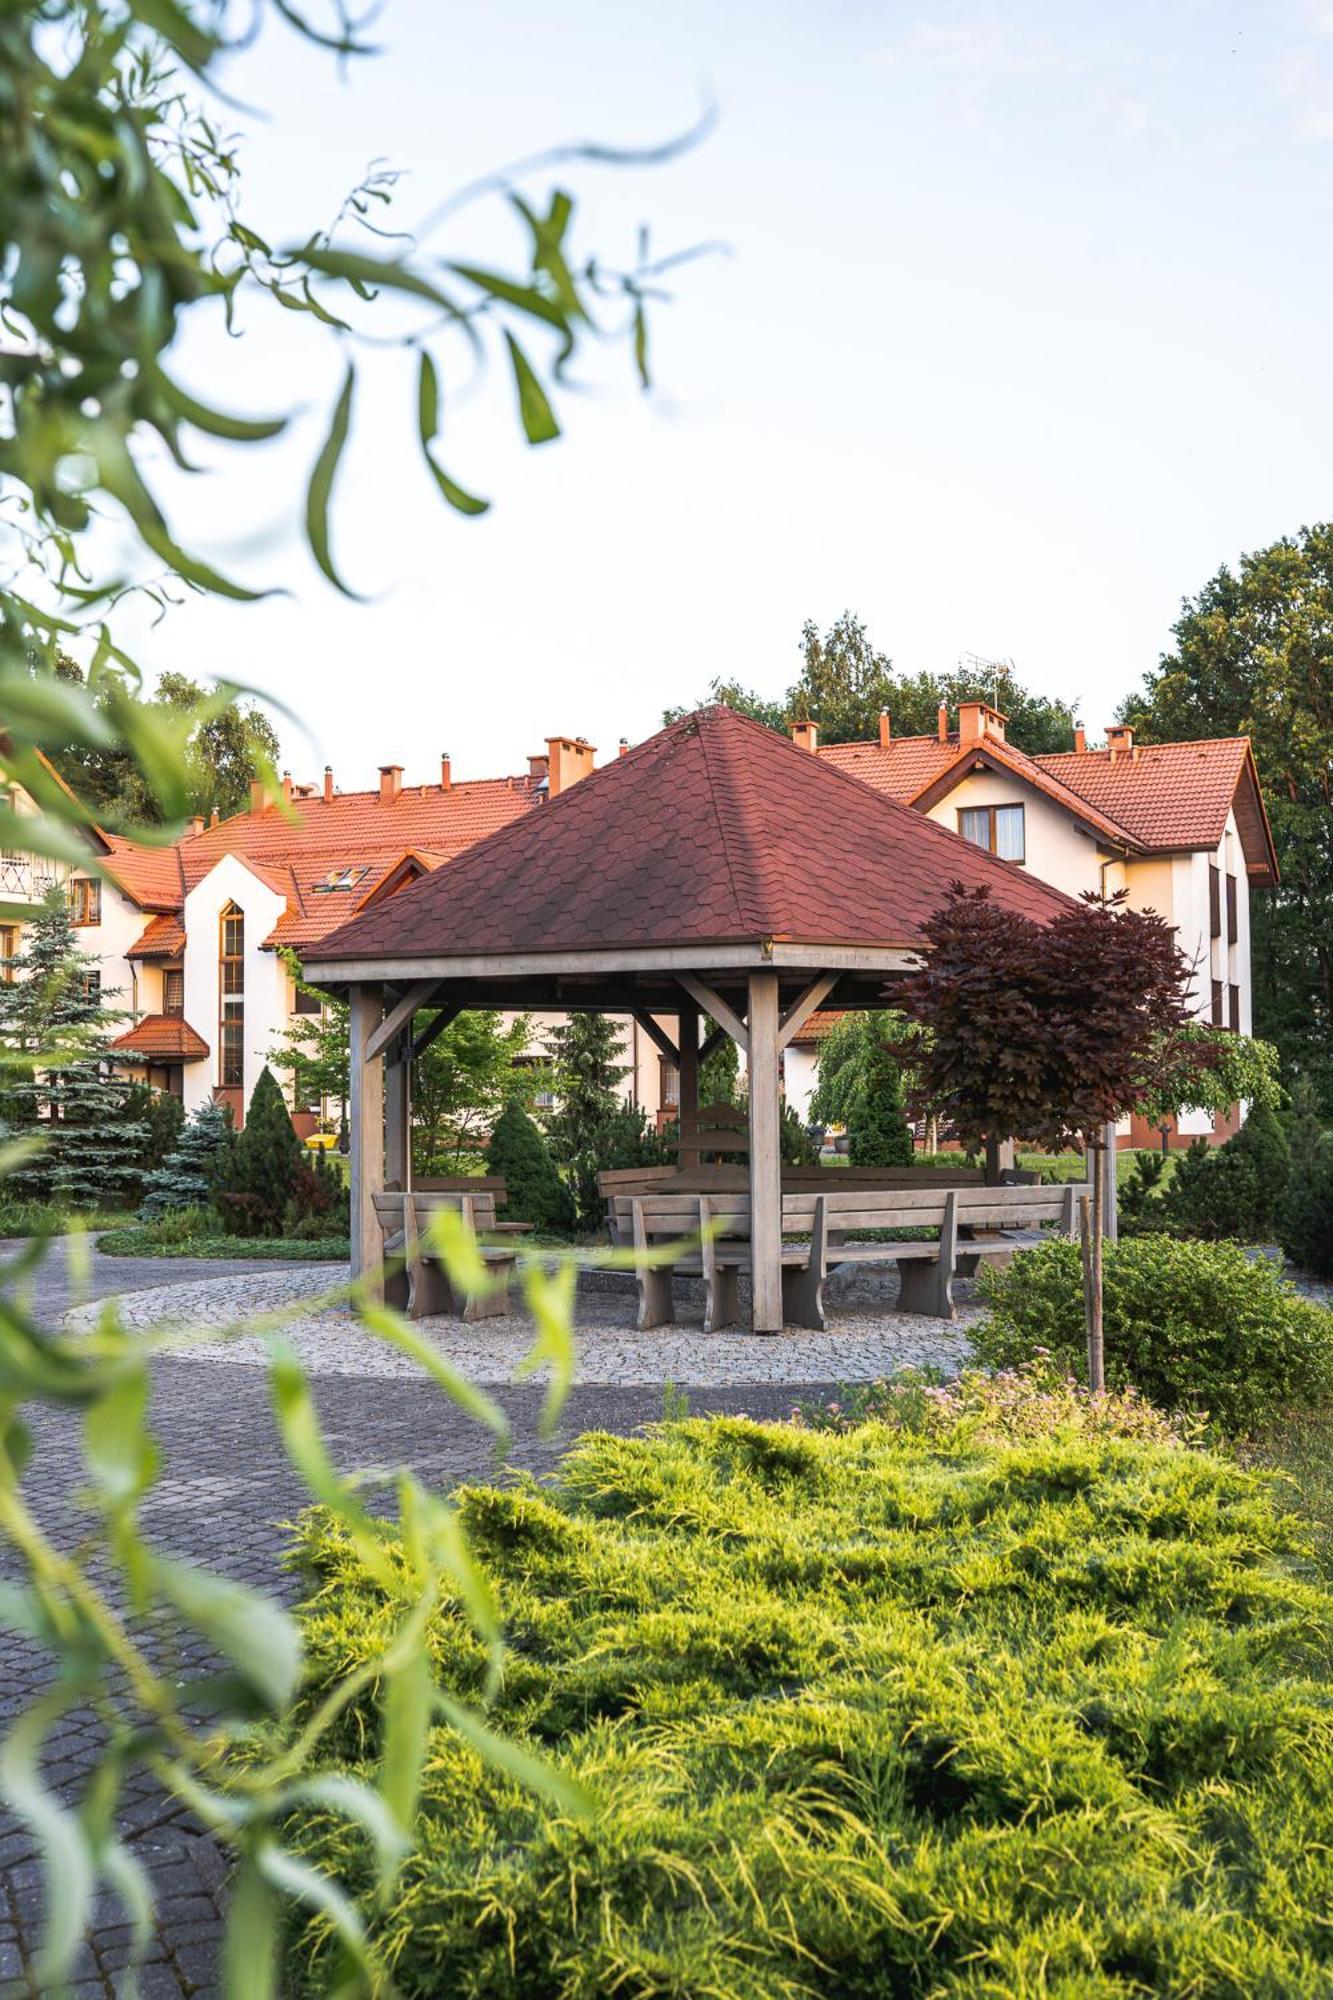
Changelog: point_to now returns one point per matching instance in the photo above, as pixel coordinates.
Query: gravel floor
(865, 1338)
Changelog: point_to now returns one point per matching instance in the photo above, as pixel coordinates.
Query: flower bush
(1026, 1701)
(1192, 1326)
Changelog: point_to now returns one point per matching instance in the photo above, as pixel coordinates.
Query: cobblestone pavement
(224, 1490)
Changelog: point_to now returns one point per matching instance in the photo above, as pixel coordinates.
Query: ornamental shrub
(877, 1130)
(883, 1713)
(1306, 1222)
(1234, 1190)
(535, 1192)
(265, 1165)
(198, 1166)
(1193, 1326)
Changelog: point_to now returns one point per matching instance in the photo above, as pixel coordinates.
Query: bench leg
(398, 1286)
(722, 1297)
(655, 1302)
(431, 1295)
(925, 1285)
(803, 1296)
(490, 1304)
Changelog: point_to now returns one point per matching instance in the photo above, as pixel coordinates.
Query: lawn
(136, 1239)
(1011, 1694)
(43, 1218)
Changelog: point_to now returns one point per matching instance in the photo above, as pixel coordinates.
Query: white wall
(107, 942)
(1055, 849)
(267, 986)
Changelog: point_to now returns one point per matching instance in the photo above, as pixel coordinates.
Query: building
(1179, 827)
(196, 939)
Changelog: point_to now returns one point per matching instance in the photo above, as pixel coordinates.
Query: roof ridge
(735, 793)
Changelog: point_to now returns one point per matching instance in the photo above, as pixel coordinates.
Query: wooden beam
(800, 1010)
(812, 959)
(366, 1103)
(398, 1017)
(687, 1094)
(714, 1005)
(658, 1036)
(398, 1112)
(444, 1019)
(765, 1155)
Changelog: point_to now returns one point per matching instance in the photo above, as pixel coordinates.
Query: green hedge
(1197, 1326)
(895, 1712)
(145, 1241)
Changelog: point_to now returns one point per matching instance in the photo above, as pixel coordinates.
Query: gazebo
(718, 871)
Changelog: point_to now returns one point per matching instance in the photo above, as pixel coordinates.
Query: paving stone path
(224, 1490)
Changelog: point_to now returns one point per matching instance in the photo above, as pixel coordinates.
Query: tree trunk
(1096, 1345)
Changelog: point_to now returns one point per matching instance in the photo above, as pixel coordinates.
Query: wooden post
(687, 1099)
(367, 1115)
(999, 1159)
(398, 1111)
(1110, 1193)
(765, 1156)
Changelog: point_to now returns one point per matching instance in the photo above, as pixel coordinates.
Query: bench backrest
(715, 1128)
(425, 1201)
(795, 1180)
(463, 1184)
(675, 1213)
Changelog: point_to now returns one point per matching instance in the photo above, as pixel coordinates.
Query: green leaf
(408, 1696)
(522, 297)
(525, 1769)
(67, 1858)
(304, 1443)
(400, 1333)
(395, 277)
(360, 1803)
(534, 409)
(121, 1458)
(304, 1884)
(320, 491)
(428, 423)
(250, 1947)
(242, 430)
(256, 1634)
(550, 1297)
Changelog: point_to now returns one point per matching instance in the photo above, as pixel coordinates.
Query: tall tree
(1253, 655)
(589, 1080)
(59, 1084)
(845, 681)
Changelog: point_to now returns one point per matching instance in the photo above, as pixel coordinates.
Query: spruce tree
(59, 1082)
(589, 1087)
(191, 1173)
(535, 1192)
(265, 1166)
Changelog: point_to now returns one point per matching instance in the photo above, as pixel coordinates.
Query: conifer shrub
(535, 1192)
(196, 1168)
(1305, 1225)
(265, 1165)
(1193, 1326)
(1235, 1190)
(906, 1710)
(877, 1130)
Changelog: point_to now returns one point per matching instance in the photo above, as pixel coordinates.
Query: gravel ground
(865, 1338)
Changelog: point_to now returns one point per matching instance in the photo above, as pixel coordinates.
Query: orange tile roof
(150, 876)
(816, 1028)
(1173, 796)
(1162, 798)
(162, 1038)
(162, 937)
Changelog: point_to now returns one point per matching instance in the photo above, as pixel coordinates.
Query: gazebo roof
(715, 832)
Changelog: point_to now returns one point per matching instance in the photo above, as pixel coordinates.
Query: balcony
(25, 878)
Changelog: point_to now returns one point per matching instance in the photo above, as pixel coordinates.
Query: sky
(1020, 331)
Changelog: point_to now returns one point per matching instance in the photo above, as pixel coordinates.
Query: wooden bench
(975, 1223)
(415, 1281)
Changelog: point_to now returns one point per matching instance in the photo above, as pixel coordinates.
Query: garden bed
(147, 1240)
(1011, 1693)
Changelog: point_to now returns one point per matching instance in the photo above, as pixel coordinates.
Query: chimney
(805, 735)
(256, 795)
(213, 817)
(391, 783)
(885, 731)
(622, 748)
(568, 758)
(197, 823)
(287, 787)
(328, 784)
(446, 774)
(977, 720)
(537, 768)
(944, 722)
(1120, 740)
(1080, 738)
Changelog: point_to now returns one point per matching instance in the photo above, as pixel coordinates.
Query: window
(1217, 1004)
(307, 1002)
(1231, 909)
(1214, 900)
(1233, 1009)
(85, 900)
(90, 984)
(173, 991)
(543, 1099)
(231, 998)
(9, 951)
(670, 1084)
(999, 829)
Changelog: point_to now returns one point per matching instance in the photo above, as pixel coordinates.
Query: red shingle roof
(716, 830)
(162, 937)
(150, 876)
(162, 1038)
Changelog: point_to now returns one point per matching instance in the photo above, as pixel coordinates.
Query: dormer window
(999, 829)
